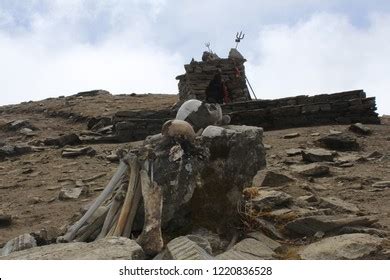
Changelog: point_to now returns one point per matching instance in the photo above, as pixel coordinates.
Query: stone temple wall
(338, 108)
(193, 84)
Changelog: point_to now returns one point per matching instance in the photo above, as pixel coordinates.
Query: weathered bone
(92, 228)
(133, 210)
(127, 204)
(101, 211)
(115, 206)
(113, 224)
(151, 237)
(115, 180)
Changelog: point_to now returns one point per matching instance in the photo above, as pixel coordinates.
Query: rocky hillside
(322, 186)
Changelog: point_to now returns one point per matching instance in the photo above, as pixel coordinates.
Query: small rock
(291, 135)
(113, 157)
(367, 230)
(27, 132)
(338, 142)
(34, 200)
(308, 226)
(47, 235)
(338, 204)
(19, 124)
(319, 234)
(349, 159)
(343, 247)
(268, 228)
(374, 155)
(248, 246)
(267, 147)
(266, 200)
(359, 128)
(69, 139)
(17, 150)
(315, 134)
(334, 132)
(293, 152)
(69, 193)
(317, 155)
(307, 199)
(274, 179)
(22, 242)
(5, 220)
(346, 164)
(381, 184)
(71, 153)
(311, 170)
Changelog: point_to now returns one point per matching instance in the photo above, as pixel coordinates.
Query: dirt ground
(30, 184)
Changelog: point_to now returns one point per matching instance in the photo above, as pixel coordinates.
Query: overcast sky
(60, 47)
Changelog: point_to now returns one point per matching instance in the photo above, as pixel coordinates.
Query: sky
(50, 48)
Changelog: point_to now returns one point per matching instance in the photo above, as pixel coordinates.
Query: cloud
(56, 47)
(59, 53)
(324, 54)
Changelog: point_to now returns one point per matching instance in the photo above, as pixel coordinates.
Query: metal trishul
(239, 36)
(208, 47)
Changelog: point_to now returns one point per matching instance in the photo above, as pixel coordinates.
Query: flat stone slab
(291, 135)
(112, 248)
(311, 170)
(293, 152)
(339, 142)
(275, 179)
(359, 128)
(317, 155)
(343, 247)
(339, 204)
(67, 193)
(310, 225)
(183, 248)
(270, 243)
(249, 246)
(381, 184)
(266, 200)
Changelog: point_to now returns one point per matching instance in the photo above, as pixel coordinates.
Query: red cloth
(226, 98)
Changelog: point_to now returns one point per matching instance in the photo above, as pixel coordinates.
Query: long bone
(127, 204)
(115, 180)
(115, 206)
(151, 237)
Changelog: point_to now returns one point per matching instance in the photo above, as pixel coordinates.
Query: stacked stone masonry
(338, 108)
(193, 84)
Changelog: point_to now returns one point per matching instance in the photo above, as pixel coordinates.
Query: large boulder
(203, 183)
